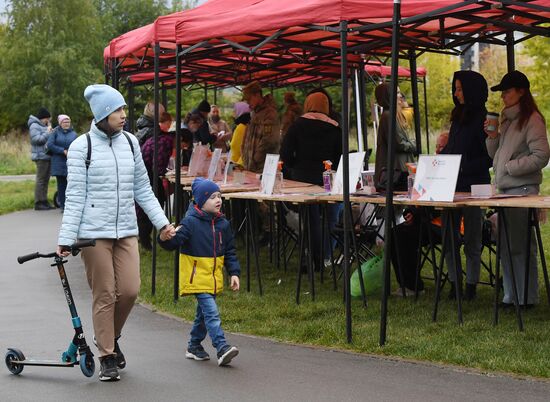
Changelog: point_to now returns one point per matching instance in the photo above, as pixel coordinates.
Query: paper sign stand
(214, 163)
(355, 168)
(269, 173)
(227, 167)
(436, 177)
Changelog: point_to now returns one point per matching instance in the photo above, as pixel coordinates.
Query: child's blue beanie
(103, 100)
(202, 190)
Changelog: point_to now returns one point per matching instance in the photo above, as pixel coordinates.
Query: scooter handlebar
(74, 248)
(28, 257)
(83, 243)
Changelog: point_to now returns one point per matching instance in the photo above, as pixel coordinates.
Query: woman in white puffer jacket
(100, 205)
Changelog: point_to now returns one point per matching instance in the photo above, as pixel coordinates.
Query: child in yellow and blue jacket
(206, 244)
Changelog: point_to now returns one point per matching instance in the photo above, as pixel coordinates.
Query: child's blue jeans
(207, 319)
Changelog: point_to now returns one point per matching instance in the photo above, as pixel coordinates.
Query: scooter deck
(50, 363)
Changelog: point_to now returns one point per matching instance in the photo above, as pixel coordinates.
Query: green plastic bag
(372, 271)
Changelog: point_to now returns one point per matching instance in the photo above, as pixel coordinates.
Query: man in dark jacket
(39, 131)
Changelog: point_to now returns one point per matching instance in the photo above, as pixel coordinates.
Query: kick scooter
(78, 352)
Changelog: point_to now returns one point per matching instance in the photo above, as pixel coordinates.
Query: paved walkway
(35, 318)
(21, 177)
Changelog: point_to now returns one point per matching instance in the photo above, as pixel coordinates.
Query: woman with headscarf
(520, 151)
(241, 111)
(58, 144)
(311, 139)
(467, 138)
(404, 147)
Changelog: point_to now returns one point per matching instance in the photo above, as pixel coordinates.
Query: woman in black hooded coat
(467, 138)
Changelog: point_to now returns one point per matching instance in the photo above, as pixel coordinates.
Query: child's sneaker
(108, 370)
(120, 359)
(197, 353)
(227, 354)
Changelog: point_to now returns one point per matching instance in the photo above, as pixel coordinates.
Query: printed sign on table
(436, 177)
(355, 168)
(214, 163)
(269, 173)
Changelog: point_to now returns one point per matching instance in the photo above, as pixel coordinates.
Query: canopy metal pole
(164, 97)
(155, 164)
(362, 110)
(114, 74)
(358, 117)
(416, 105)
(426, 116)
(177, 186)
(390, 162)
(345, 171)
(510, 52)
(131, 113)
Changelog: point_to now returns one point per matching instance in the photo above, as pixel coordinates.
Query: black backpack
(89, 155)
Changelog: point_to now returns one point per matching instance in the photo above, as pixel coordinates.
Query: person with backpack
(106, 175)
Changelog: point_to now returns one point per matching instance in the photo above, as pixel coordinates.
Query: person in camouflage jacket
(263, 135)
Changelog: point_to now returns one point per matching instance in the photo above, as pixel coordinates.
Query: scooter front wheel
(12, 357)
(87, 364)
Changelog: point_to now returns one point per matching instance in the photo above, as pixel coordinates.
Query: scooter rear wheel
(12, 357)
(87, 364)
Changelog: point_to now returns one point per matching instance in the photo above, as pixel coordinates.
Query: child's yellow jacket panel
(200, 274)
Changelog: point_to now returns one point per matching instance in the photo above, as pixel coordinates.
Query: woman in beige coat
(519, 148)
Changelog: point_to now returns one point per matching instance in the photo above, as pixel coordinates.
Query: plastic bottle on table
(328, 176)
(278, 186)
(411, 167)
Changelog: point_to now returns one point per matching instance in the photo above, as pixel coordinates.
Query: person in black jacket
(467, 138)
(311, 139)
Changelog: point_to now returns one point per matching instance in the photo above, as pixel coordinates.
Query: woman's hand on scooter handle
(63, 251)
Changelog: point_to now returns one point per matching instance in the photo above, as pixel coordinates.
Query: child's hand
(167, 232)
(235, 283)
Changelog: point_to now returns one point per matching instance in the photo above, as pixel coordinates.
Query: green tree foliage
(538, 49)
(49, 55)
(492, 65)
(120, 16)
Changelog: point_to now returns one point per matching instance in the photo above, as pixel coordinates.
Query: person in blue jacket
(206, 244)
(58, 145)
(467, 138)
(99, 205)
(39, 130)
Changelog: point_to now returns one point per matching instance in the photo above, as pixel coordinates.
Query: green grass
(411, 333)
(15, 149)
(18, 195)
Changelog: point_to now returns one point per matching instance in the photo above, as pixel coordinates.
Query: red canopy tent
(236, 41)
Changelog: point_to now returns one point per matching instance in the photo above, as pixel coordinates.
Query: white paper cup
(492, 119)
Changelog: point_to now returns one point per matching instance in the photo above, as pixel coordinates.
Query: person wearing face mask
(217, 126)
(467, 138)
(102, 189)
(519, 147)
(58, 145)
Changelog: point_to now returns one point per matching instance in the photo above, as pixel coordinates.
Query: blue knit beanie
(103, 100)
(202, 190)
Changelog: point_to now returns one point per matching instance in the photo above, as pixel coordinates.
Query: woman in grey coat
(519, 148)
(39, 131)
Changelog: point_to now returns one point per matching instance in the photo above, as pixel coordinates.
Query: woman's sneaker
(226, 354)
(108, 370)
(120, 359)
(197, 353)
(119, 356)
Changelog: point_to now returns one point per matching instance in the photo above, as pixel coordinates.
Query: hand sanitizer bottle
(328, 176)
(278, 186)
